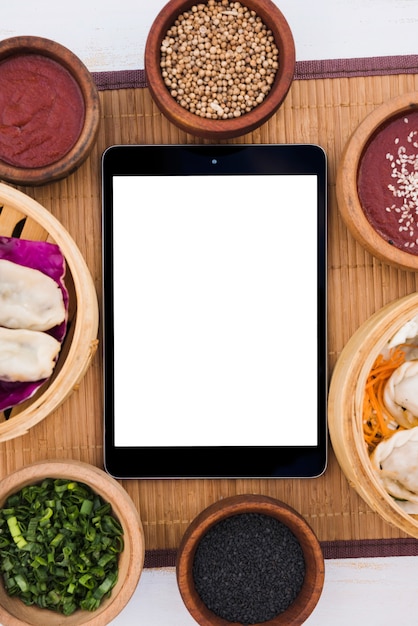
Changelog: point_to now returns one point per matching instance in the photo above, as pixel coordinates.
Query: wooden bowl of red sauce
(234, 62)
(377, 182)
(49, 111)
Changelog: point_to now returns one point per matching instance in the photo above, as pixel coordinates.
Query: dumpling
(29, 298)
(401, 394)
(406, 332)
(26, 355)
(395, 461)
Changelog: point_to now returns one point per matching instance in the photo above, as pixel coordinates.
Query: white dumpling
(406, 332)
(401, 394)
(29, 298)
(395, 461)
(27, 355)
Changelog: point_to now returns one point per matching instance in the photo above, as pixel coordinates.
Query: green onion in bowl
(59, 546)
(78, 533)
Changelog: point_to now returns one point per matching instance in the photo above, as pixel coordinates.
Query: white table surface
(376, 592)
(108, 36)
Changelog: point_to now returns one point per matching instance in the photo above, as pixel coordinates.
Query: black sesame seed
(248, 568)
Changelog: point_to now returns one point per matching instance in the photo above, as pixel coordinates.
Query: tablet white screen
(215, 310)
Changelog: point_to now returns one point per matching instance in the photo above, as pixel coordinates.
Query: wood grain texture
(324, 112)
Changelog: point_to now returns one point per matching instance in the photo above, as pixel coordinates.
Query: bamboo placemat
(322, 111)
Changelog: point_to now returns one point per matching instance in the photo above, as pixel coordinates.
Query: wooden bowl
(345, 404)
(362, 183)
(23, 217)
(13, 612)
(311, 589)
(64, 159)
(220, 128)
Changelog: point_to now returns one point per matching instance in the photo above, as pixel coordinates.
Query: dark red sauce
(41, 111)
(388, 182)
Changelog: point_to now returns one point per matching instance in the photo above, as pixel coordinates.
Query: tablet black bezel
(213, 462)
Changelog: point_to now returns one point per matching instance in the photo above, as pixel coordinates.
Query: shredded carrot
(378, 424)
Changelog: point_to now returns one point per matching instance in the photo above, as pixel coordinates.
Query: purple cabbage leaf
(47, 258)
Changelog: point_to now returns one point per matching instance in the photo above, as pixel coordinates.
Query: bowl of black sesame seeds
(219, 69)
(250, 559)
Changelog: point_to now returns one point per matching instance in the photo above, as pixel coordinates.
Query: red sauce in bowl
(41, 111)
(388, 182)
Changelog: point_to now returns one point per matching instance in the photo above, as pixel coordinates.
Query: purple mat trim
(305, 70)
(160, 558)
(122, 79)
(366, 548)
(346, 68)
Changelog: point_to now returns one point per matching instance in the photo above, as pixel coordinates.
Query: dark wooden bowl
(67, 163)
(219, 128)
(312, 586)
(347, 184)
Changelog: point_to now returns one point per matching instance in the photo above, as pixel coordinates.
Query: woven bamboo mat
(323, 111)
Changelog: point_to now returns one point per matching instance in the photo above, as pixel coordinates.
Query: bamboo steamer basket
(23, 217)
(13, 612)
(345, 403)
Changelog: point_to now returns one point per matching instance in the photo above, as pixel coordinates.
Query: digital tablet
(214, 287)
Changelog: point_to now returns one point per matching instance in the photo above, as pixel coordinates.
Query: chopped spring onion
(59, 546)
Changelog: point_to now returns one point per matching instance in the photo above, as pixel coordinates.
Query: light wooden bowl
(69, 162)
(13, 612)
(348, 199)
(312, 586)
(219, 128)
(23, 217)
(345, 403)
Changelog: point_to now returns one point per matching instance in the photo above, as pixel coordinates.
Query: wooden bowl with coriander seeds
(219, 69)
(74, 476)
(250, 559)
(377, 186)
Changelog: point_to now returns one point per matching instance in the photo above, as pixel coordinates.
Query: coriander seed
(221, 50)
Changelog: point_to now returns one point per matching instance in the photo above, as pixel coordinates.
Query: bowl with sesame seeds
(250, 559)
(219, 69)
(377, 182)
